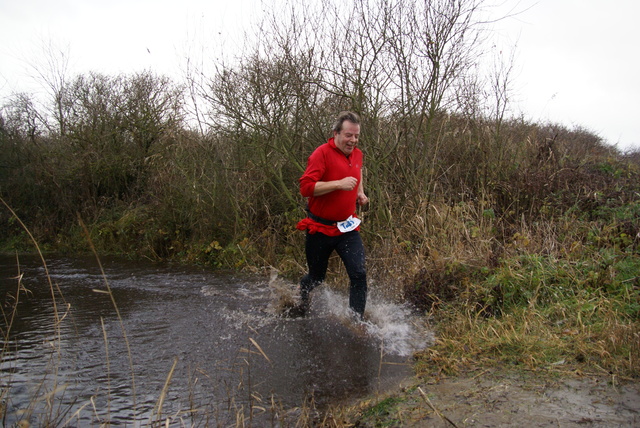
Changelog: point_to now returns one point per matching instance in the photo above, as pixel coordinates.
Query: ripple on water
(214, 325)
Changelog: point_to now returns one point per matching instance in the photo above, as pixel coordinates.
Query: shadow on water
(233, 354)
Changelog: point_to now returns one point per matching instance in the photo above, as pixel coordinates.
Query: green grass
(382, 413)
(551, 314)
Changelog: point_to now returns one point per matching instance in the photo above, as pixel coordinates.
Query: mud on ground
(507, 399)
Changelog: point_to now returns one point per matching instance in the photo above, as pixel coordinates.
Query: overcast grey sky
(577, 63)
(576, 60)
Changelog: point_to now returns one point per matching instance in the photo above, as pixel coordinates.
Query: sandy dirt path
(497, 399)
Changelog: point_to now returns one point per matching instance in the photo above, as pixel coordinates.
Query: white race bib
(348, 225)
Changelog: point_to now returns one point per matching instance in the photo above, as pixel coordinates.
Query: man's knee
(357, 273)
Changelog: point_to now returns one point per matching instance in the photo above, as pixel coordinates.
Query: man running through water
(332, 182)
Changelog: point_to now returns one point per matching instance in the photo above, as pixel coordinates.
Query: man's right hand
(348, 183)
(324, 187)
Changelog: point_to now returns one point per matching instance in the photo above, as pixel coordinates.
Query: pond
(186, 346)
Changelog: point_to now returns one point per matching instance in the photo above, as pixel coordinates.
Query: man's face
(347, 138)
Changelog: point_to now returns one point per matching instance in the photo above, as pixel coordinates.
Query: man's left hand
(362, 199)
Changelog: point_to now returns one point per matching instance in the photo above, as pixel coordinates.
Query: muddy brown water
(195, 347)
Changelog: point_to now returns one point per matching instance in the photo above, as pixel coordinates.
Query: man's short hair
(345, 116)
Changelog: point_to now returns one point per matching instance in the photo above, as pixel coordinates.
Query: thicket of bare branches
(402, 65)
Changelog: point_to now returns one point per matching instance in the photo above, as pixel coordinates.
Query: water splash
(284, 294)
(398, 328)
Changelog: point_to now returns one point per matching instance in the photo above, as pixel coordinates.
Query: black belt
(320, 219)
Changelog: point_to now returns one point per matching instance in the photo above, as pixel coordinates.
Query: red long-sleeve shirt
(329, 163)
